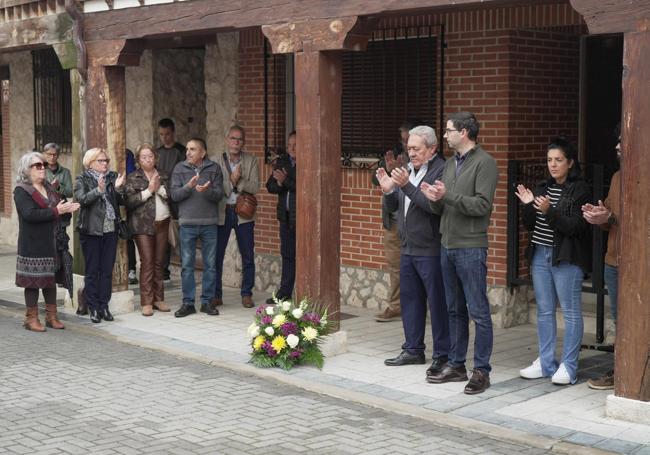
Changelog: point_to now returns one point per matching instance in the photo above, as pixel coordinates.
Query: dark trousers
(130, 251)
(421, 285)
(288, 253)
(99, 253)
(245, 233)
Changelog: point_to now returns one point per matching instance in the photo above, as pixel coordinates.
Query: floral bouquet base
(287, 334)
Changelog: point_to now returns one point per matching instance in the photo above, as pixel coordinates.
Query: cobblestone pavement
(65, 392)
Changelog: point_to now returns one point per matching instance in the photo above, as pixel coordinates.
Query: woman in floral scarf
(98, 190)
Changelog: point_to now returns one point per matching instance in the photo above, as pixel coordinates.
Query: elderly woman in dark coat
(98, 190)
(147, 194)
(38, 263)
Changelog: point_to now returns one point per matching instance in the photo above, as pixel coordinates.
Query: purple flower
(311, 317)
(260, 309)
(295, 354)
(268, 347)
(289, 328)
(267, 319)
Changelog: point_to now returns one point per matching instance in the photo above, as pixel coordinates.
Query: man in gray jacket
(464, 197)
(197, 187)
(420, 276)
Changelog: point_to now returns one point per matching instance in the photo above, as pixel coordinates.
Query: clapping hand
(202, 188)
(67, 207)
(120, 180)
(385, 182)
(433, 192)
(235, 175)
(542, 203)
(400, 176)
(154, 184)
(596, 214)
(280, 175)
(193, 181)
(524, 194)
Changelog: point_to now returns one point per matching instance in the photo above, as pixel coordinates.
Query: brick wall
(5, 155)
(515, 67)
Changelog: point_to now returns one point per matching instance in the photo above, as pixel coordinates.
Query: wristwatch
(611, 220)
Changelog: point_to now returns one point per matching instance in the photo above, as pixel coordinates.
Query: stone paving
(66, 392)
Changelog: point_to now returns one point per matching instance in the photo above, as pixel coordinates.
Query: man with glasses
(241, 175)
(463, 197)
(58, 176)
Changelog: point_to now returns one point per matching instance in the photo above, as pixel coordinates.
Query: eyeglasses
(107, 160)
(40, 166)
(51, 154)
(238, 139)
(449, 130)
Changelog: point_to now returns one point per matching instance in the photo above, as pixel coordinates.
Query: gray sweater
(419, 228)
(467, 205)
(196, 208)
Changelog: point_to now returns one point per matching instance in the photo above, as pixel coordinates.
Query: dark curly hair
(570, 153)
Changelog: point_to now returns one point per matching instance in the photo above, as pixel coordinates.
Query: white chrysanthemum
(253, 330)
(269, 331)
(292, 341)
(286, 305)
(269, 310)
(297, 313)
(309, 333)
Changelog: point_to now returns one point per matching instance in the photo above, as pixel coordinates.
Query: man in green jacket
(58, 176)
(463, 197)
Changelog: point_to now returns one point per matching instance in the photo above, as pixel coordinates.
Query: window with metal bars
(393, 81)
(52, 101)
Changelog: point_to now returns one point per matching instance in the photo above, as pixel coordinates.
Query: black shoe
(479, 382)
(95, 317)
(106, 315)
(185, 310)
(406, 358)
(437, 366)
(210, 309)
(449, 374)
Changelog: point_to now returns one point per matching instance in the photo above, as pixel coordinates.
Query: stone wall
(21, 107)
(179, 91)
(139, 103)
(221, 88)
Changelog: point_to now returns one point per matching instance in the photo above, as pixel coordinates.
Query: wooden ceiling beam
(614, 16)
(36, 32)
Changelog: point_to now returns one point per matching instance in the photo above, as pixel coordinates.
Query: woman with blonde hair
(38, 262)
(98, 191)
(147, 194)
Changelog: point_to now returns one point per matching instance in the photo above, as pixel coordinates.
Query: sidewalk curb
(435, 417)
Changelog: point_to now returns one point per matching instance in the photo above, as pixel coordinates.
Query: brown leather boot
(51, 320)
(31, 320)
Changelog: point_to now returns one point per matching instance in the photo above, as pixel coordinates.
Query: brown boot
(51, 320)
(31, 320)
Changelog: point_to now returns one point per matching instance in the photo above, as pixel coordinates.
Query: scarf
(110, 210)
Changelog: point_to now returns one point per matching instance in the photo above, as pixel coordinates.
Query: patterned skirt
(35, 273)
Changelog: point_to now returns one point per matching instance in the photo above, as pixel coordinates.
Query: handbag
(246, 205)
(123, 230)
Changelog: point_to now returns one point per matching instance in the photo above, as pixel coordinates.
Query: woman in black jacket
(98, 191)
(38, 263)
(559, 248)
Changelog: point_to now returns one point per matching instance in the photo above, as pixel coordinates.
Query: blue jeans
(245, 233)
(610, 275)
(561, 282)
(189, 235)
(464, 272)
(421, 283)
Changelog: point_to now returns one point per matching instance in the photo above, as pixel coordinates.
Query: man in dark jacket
(283, 183)
(420, 274)
(197, 187)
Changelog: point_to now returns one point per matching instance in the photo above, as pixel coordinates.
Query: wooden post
(105, 127)
(318, 118)
(633, 325)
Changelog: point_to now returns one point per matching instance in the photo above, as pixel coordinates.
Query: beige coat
(249, 181)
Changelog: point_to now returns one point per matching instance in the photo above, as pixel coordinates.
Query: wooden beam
(633, 325)
(114, 52)
(36, 32)
(318, 114)
(105, 105)
(614, 16)
(219, 15)
(351, 33)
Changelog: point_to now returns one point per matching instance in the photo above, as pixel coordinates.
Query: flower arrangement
(287, 334)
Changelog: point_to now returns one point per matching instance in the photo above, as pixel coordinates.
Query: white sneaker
(561, 376)
(534, 371)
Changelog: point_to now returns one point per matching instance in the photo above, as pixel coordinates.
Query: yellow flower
(278, 343)
(309, 333)
(279, 320)
(257, 342)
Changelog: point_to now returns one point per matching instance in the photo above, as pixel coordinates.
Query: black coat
(571, 232)
(288, 186)
(36, 224)
(93, 208)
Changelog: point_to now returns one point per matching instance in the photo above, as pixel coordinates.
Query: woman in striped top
(559, 252)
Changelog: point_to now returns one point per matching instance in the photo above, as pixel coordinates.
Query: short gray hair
(427, 133)
(24, 167)
(52, 145)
